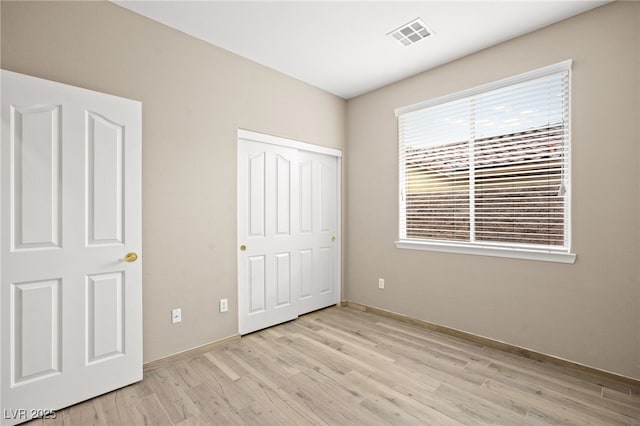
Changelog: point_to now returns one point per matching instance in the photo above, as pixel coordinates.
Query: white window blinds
(489, 166)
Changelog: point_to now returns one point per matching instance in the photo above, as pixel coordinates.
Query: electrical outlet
(176, 315)
(380, 282)
(224, 305)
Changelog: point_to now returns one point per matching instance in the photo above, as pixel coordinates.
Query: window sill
(515, 253)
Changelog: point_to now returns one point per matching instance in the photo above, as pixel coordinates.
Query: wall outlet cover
(176, 315)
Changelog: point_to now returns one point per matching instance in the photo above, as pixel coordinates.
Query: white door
(317, 179)
(70, 209)
(267, 265)
(287, 233)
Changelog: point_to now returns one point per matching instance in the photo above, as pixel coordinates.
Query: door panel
(35, 310)
(257, 282)
(256, 194)
(306, 273)
(306, 198)
(105, 316)
(325, 283)
(70, 180)
(283, 195)
(105, 172)
(35, 165)
(287, 221)
(283, 279)
(327, 196)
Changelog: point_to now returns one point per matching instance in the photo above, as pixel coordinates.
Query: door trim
(289, 143)
(252, 136)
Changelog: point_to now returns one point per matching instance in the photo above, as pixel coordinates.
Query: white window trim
(488, 250)
(496, 250)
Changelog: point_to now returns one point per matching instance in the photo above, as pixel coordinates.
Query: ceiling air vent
(411, 32)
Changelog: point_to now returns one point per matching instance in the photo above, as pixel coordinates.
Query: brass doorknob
(333, 239)
(243, 247)
(130, 257)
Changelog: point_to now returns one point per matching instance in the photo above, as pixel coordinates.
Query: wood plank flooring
(340, 366)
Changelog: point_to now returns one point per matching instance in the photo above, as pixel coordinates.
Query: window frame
(561, 254)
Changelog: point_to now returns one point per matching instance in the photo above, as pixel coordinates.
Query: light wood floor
(341, 366)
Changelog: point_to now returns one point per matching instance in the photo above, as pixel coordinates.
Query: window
(486, 171)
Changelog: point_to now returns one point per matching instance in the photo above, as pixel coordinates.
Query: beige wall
(194, 97)
(588, 312)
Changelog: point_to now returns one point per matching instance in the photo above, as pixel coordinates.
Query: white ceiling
(343, 47)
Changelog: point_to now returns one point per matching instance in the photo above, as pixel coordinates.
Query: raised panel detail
(257, 291)
(256, 194)
(325, 273)
(105, 180)
(105, 316)
(327, 198)
(36, 177)
(283, 195)
(283, 279)
(36, 332)
(306, 197)
(306, 273)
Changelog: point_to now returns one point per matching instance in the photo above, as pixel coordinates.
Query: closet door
(317, 241)
(287, 233)
(267, 265)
